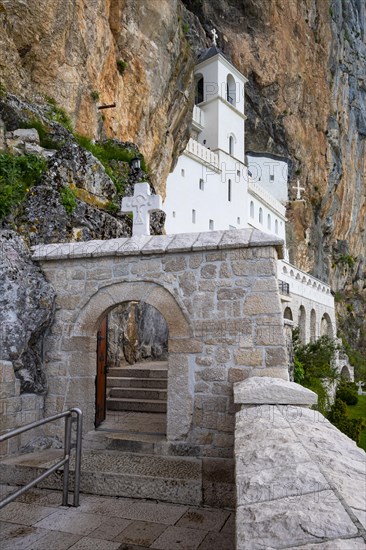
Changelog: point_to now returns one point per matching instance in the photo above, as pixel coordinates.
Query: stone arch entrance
(101, 303)
(132, 373)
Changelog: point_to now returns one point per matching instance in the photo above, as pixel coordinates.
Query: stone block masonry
(218, 293)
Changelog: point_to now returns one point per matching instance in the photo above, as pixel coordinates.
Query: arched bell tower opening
(132, 370)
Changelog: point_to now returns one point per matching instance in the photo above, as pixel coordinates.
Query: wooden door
(101, 379)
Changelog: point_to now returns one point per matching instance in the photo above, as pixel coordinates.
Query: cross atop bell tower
(214, 37)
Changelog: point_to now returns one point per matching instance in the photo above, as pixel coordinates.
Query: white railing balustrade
(256, 189)
(200, 151)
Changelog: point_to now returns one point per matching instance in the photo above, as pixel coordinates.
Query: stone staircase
(138, 388)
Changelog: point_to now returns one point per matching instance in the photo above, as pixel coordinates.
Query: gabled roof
(211, 52)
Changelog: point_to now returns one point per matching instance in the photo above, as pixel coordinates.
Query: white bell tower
(220, 95)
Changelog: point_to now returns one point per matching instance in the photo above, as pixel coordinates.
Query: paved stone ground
(37, 521)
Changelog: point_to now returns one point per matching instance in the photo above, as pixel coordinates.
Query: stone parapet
(168, 244)
(300, 482)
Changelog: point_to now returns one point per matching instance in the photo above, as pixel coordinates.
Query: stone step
(114, 473)
(138, 405)
(119, 382)
(139, 393)
(126, 372)
(134, 443)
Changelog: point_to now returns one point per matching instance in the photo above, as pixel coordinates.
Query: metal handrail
(64, 462)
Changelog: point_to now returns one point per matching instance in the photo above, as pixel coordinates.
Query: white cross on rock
(298, 191)
(141, 205)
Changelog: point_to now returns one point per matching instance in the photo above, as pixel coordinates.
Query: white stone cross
(141, 205)
(298, 189)
(359, 384)
(214, 37)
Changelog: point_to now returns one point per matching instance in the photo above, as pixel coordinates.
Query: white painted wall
(263, 167)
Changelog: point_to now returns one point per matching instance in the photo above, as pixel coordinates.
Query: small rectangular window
(271, 177)
(182, 172)
(202, 185)
(229, 190)
(238, 221)
(193, 216)
(173, 214)
(211, 225)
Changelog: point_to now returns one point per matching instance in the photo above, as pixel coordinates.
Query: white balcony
(255, 189)
(198, 119)
(303, 284)
(201, 152)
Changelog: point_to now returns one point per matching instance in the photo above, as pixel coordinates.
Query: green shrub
(95, 95)
(68, 199)
(347, 392)
(17, 176)
(121, 66)
(313, 366)
(338, 416)
(2, 90)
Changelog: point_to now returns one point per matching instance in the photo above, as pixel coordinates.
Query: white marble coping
(265, 390)
(159, 244)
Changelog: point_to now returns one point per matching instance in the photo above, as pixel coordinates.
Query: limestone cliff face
(131, 54)
(306, 96)
(306, 99)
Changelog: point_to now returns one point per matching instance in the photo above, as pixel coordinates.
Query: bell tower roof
(211, 52)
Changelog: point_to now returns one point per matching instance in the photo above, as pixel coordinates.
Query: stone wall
(218, 293)
(17, 409)
(300, 482)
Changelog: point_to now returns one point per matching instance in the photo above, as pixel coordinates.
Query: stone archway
(345, 373)
(85, 327)
(326, 327)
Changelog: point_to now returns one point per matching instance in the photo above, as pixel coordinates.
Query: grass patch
(108, 153)
(58, 114)
(359, 411)
(68, 199)
(17, 176)
(44, 138)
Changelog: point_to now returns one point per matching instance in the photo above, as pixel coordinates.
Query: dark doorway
(102, 367)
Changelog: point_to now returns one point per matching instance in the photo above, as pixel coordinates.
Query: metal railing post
(67, 450)
(65, 462)
(79, 431)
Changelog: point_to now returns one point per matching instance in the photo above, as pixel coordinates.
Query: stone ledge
(159, 244)
(259, 390)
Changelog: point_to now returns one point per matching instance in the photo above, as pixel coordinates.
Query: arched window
(229, 190)
(231, 145)
(251, 209)
(200, 86)
(287, 314)
(269, 221)
(276, 227)
(260, 215)
(312, 325)
(231, 89)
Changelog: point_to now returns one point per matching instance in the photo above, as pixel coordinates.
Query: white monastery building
(217, 185)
